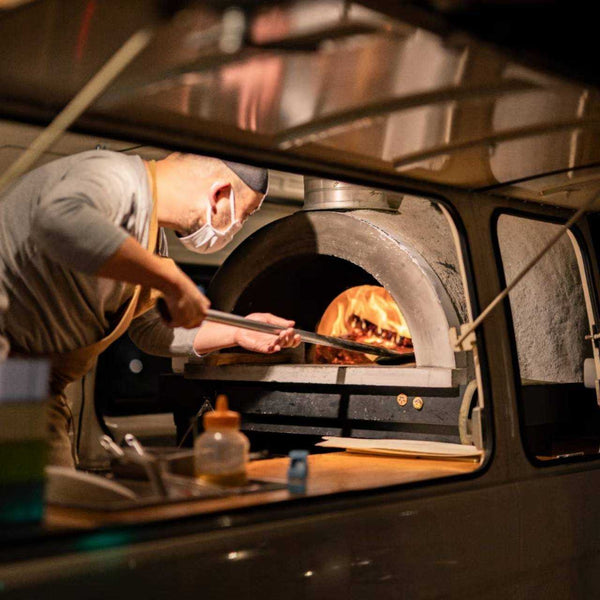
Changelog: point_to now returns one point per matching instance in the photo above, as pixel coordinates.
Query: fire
(366, 314)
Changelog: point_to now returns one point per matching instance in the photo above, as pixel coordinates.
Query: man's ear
(218, 189)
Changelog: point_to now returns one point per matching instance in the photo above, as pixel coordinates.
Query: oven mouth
(366, 314)
(301, 288)
(308, 289)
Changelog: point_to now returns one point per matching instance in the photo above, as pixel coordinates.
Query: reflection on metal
(233, 30)
(187, 73)
(192, 72)
(492, 140)
(334, 84)
(310, 42)
(326, 194)
(364, 116)
(229, 37)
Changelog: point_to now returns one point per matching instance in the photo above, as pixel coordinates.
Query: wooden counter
(328, 474)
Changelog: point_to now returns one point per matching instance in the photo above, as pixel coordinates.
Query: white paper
(415, 447)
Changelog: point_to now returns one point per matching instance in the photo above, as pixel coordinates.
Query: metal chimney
(326, 194)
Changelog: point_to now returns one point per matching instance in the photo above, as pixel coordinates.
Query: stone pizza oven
(347, 236)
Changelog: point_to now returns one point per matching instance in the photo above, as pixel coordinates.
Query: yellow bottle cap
(221, 417)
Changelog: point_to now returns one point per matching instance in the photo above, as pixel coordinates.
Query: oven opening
(301, 287)
(333, 297)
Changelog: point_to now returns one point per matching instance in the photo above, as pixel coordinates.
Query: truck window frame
(589, 289)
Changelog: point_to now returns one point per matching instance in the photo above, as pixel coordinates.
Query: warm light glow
(366, 314)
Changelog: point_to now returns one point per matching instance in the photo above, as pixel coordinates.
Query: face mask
(207, 239)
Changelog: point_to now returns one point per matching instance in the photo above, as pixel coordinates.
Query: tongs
(217, 316)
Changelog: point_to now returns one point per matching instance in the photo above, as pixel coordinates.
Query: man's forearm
(186, 305)
(134, 264)
(214, 336)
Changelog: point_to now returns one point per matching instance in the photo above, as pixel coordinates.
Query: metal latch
(465, 344)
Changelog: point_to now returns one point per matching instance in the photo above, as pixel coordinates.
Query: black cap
(256, 178)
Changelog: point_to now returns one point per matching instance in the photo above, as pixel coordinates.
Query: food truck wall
(510, 528)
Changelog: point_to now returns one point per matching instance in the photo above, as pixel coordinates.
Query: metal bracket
(465, 344)
(594, 336)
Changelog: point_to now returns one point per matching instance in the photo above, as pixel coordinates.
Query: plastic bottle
(221, 452)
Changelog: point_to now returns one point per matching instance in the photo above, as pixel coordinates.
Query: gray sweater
(58, 225)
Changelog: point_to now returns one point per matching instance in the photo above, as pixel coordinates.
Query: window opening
(551, 321)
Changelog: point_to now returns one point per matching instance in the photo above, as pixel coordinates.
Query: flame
(366, 314)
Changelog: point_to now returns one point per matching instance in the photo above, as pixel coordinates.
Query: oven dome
(296, 266)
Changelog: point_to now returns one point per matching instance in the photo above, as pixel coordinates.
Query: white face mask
(207, 239)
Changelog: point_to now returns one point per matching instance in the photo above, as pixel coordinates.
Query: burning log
(366, 314)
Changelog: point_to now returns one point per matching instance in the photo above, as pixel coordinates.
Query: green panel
(22, 461)
(22, 502)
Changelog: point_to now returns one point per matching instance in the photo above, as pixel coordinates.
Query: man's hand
(187, 305)
(265, 342)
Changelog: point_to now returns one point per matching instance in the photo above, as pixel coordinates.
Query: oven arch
(352, 248)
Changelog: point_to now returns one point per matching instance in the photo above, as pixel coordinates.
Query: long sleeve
(150, 334)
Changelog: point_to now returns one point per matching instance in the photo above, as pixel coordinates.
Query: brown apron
(70, 366)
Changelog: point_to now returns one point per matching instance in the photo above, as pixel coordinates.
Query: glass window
(559, 414)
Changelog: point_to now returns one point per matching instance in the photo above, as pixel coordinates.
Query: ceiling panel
(331, 82)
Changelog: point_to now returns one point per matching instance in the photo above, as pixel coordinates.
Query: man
(80, 248)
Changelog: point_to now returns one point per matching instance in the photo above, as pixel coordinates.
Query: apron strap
(130, 311)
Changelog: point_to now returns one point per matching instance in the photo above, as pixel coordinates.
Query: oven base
(307, 411)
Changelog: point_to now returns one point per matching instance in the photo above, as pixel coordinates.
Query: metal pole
(90, 91)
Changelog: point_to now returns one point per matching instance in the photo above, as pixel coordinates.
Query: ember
(366, 314)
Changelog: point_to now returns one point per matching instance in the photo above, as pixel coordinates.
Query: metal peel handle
(217, 316)
(309, 337)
